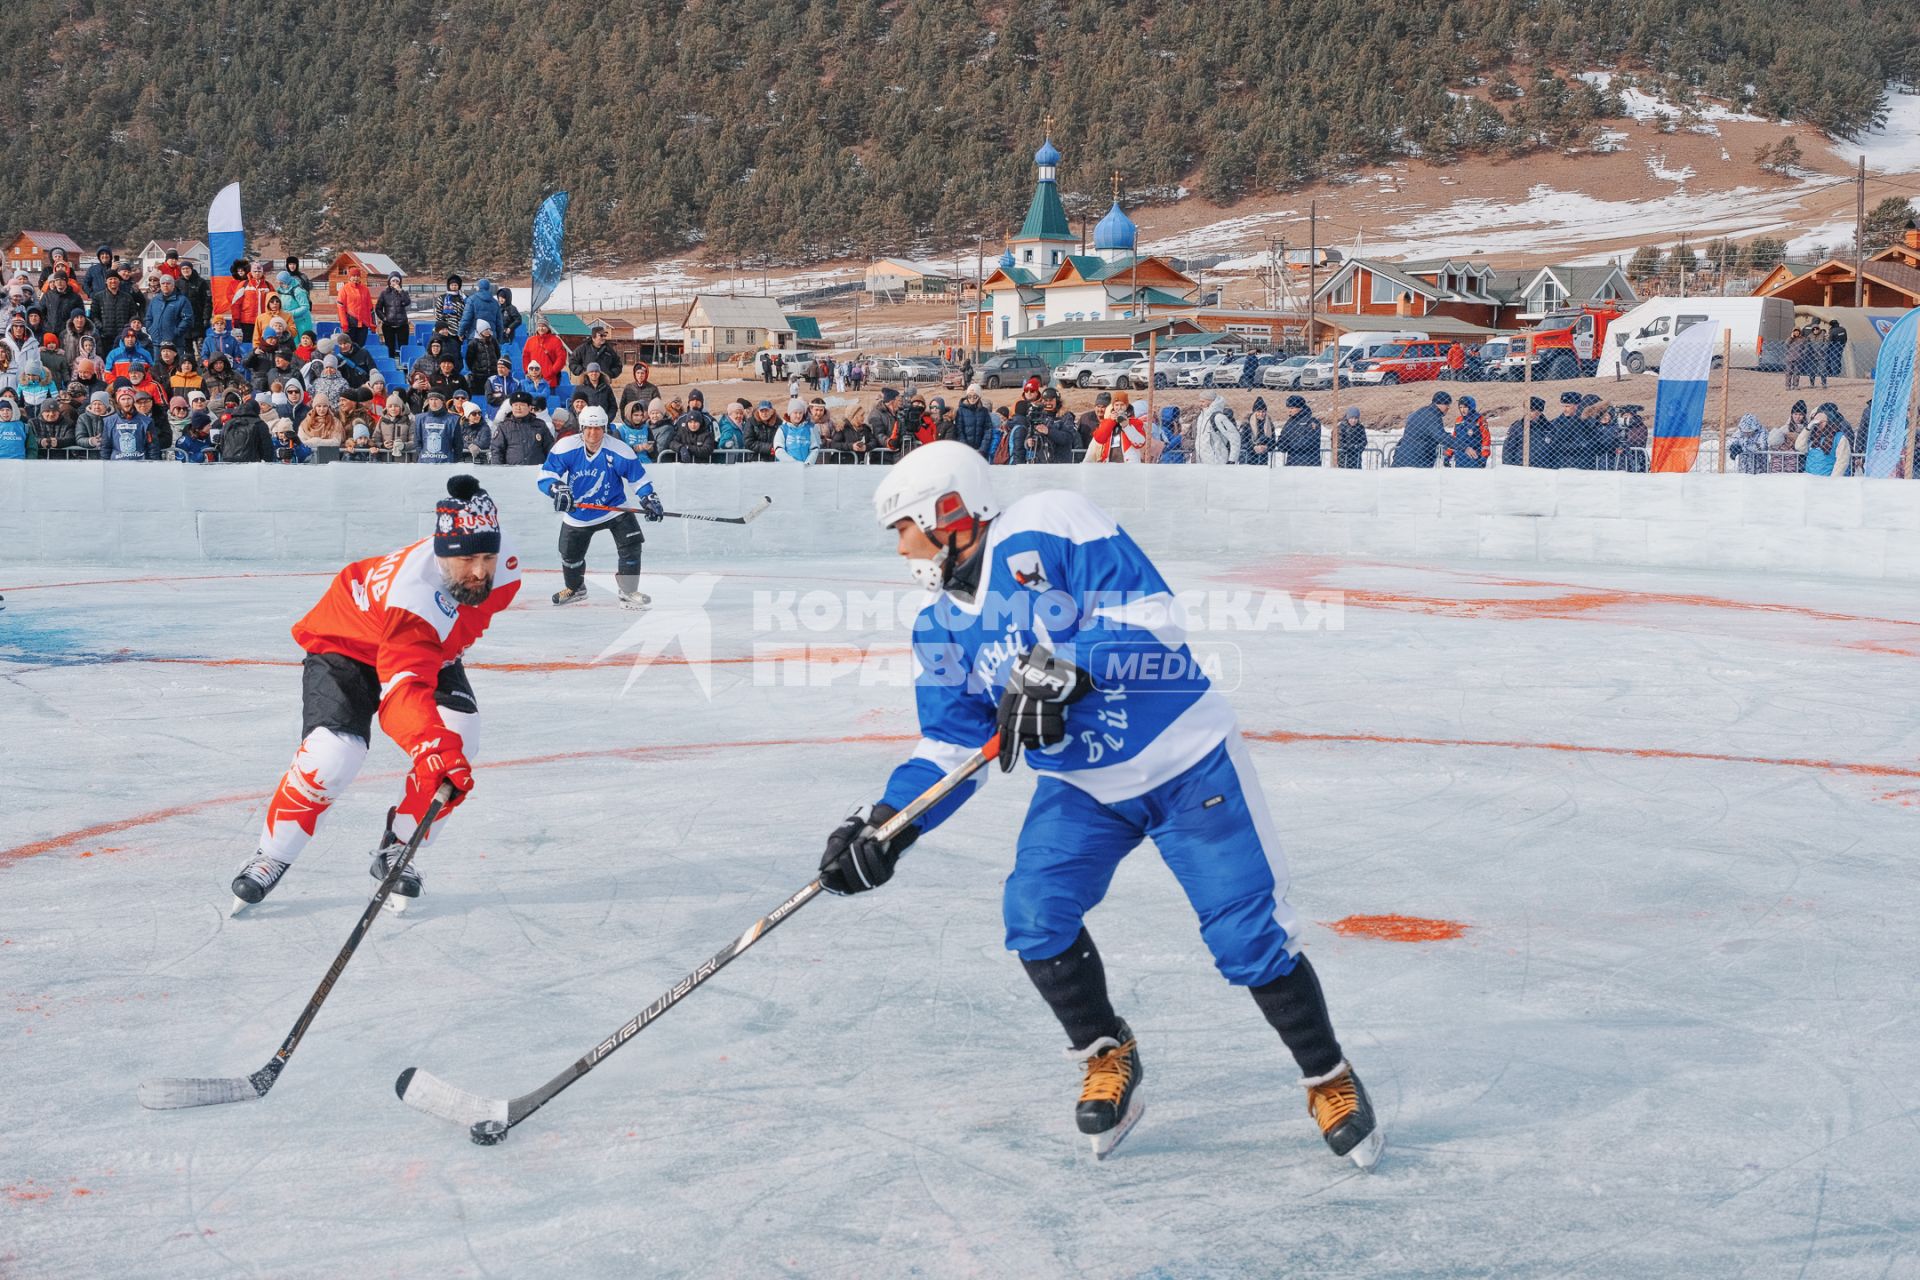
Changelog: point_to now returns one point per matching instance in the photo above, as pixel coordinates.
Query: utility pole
(1313, 267)
(1859, 222)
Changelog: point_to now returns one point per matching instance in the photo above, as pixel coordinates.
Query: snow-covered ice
(1672, 811)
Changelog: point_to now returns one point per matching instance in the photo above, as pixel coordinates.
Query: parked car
(1009, 370)
(1082, 370)
(1201, 374)
(1403, 362)
(1284, 375)
(1167, 366)
(1115, 374)
(1229, 370)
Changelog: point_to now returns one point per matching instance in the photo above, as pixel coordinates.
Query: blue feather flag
(549, 227)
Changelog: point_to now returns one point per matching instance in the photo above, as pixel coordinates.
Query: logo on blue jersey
(1027, 571)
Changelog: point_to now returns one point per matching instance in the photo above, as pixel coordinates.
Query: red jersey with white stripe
(393, 613)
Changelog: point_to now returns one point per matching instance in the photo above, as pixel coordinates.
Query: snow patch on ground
(1657, 166)
(1833, 237)
(1549, 218)
(1641, 105)
(1895, 146)
(674, 280)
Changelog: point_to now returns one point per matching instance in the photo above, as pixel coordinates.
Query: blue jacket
(1423, 439)
(482, 305)
(124, 354)
(974, 422)
(170, 319)
(1055, 559)
(436, 437)
(226, 344)
(188, 449)
(599, 478)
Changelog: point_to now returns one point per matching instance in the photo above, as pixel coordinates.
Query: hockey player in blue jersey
(588, 468)
(1052, 628)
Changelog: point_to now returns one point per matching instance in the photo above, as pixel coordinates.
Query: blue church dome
(1006, 260)
(1115, 231)
(1048, 154)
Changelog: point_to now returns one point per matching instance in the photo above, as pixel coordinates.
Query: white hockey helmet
(593, 417)
(942, 487)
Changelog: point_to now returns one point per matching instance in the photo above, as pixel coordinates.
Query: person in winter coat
(521, 439)
(641, 390)
(353, 307)
(54, 433)
(1826, 442)
(436, 433)
(194, 443)
(1216, 436)
(598, 391)
(392, 435)
(296, 299)
(482, 354)
(450, 306)
(596, 350)
(78, 337)
(972, 420)
(199, 295)
(1259, 440)
(60, 302)
(114, 305)
(883, 420)
(1350, 440)
(1470, 439)
(1526, 438)
(323, 428)
(481, 307)
(127, 434)
(796, 440)
(545, 349)
(510, 318)
(390, 313)
(730, 431)
(1748, 446)
(1169, 442)
(17, 438)
(169, 315)
(1424, 438)
(1299, 436)
(760, 429)
(221, 341)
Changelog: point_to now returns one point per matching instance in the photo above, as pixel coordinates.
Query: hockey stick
(190, 1091)
(748, 518)
(489, 1119)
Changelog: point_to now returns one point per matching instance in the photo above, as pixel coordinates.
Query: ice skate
(1110, 1095)
(635, 600)
(1339, 1104)
(408, 886)
(570, 595)
(256, 881)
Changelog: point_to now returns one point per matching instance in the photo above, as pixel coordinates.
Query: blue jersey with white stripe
(1058, 571)
(600, 478)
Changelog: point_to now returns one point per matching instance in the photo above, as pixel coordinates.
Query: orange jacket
(392, 612)
(355, 303)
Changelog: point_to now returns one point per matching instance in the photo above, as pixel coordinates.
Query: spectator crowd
(96, 362)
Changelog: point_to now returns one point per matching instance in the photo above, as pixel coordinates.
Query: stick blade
(175, 1092)
(756, 509)
(424, 1091)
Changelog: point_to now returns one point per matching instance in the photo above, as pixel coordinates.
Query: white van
(1362, 346)
(1640, 337)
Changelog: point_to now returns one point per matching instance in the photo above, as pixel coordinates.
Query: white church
(1041, 280)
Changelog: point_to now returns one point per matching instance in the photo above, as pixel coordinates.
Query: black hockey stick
(752, 512)
(489, 1119)
(199, 1091)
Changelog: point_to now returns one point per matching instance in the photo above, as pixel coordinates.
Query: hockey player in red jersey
(386, 639)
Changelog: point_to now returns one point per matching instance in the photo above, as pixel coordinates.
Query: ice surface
(1677, 1038)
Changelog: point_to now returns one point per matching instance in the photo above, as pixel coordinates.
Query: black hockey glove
(562, 495)
(650, 509)
(856, 860)
(1033, 710)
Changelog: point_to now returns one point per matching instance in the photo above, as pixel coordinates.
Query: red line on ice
(665, 750)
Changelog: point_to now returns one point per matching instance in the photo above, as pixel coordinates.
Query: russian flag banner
(1680, 399)
(226, 241)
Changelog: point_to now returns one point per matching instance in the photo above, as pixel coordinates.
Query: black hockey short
(343, 695)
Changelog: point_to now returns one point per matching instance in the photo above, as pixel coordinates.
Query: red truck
(1566, 343)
